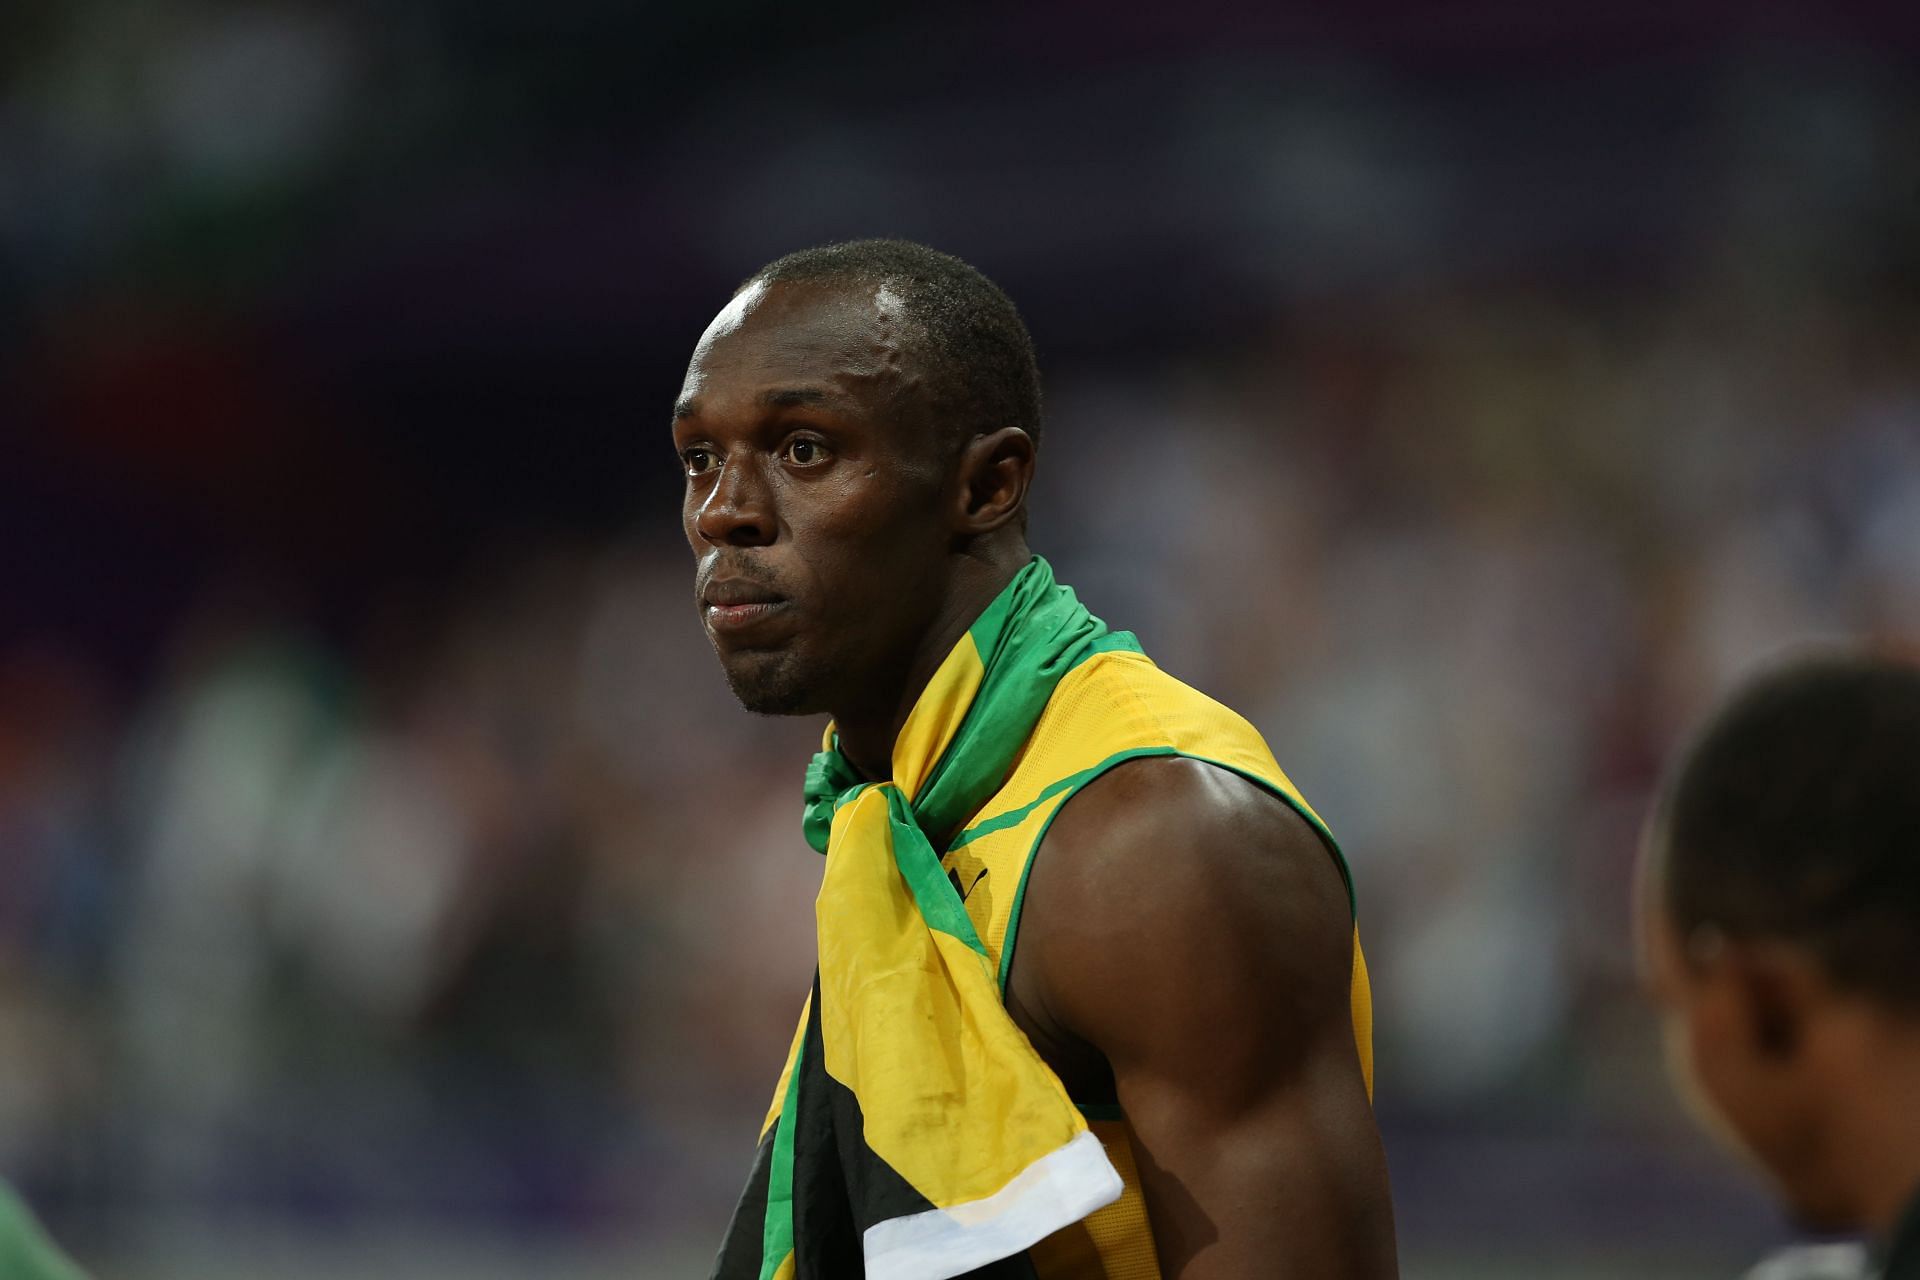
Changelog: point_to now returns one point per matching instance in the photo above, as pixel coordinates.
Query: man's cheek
(1708, 1083)
(1685, 1068)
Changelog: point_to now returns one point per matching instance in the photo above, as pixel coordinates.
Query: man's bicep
(1193, 929)
(1202, 943)
(1292, 1182)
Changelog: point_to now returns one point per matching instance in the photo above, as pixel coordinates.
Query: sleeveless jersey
(1116, 708)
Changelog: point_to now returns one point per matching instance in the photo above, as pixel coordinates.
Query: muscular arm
(1192, 930)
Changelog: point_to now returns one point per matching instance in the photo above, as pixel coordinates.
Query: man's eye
(803, 452)
(697, 460)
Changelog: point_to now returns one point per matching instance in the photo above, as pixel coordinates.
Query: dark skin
(1185, 944)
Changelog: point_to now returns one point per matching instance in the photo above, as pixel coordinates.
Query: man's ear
(995, 471)
(1778, 991)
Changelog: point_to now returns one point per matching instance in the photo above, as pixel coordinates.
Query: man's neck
(1899, 1244)
(1876, 1137)
(1890, 1175)
(867, 735)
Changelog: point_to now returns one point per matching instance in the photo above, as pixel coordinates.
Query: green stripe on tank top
(1072, 784)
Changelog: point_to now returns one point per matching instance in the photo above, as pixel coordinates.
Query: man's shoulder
(1125, 678)
(1161, 849)
(1177, 817)
(1186, 814)
(1170, 894)
(1120, 705)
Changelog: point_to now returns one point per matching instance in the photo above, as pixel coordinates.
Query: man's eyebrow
(777, 398)
(798, 397)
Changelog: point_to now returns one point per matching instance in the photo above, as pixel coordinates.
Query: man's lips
(742, 617)
(736, 591)
(737, 605)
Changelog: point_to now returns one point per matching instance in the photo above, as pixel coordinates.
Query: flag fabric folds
(915, 1133)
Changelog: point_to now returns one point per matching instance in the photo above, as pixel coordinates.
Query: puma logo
(953, 874)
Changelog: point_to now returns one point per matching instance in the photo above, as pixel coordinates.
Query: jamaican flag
(915, 1134)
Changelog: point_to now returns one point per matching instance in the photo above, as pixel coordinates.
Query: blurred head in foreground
(1780, 926)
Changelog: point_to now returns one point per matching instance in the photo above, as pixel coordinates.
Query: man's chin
(1821, 1216)
(1812, 1202)
(769, 685)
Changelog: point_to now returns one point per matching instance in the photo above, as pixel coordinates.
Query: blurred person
(1780, 922)
(1172, 1077)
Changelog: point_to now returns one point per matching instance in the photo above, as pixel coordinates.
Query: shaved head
(955, 334)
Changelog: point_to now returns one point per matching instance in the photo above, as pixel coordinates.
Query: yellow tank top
(1110, 709)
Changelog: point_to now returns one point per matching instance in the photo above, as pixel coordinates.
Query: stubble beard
(773, 684)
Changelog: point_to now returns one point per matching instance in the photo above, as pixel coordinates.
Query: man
(1172, 1076)
(1780, 910)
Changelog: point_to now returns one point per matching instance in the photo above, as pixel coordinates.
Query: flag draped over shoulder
(915, 1134)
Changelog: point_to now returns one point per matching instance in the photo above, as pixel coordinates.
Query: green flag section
(26, 1253)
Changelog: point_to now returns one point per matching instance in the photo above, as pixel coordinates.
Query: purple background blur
(388, 883)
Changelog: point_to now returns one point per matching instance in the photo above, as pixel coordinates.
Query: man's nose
(738, 510)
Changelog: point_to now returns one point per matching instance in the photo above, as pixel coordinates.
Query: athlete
(1171, 1074)
(1780, 925)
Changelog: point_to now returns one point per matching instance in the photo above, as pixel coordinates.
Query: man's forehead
(816, 330)
(733, 315)
(810, 314)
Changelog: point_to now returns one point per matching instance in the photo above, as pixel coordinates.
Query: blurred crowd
(500, 905)
(341, 878)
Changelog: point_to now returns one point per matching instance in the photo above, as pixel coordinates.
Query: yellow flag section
(994, 1107)
(935, 718)
(1114, 707)
(955, 1099)
(786, 1073)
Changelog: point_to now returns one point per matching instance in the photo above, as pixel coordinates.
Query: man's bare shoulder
(1172, 834)
(1172, 896)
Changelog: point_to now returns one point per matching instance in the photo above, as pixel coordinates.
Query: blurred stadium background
(388, 884)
